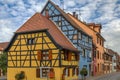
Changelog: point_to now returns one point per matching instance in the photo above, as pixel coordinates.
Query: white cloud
(111, 33)
(14, 13)
(70, 3)
(6, 31)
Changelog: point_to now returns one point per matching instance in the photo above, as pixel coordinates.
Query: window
(80, 35)
(83, 53)
(90, 41)
(75, 71)
(98, 54)
(85, 66)
(66, 72)
(44, 55)
(87, 39)
(44, 72)
(31, 41)
(67, 55)
(97, 39)
(77, 57)
(83, 37)
(59, 23)
(94, 53)
(100, 42)
(98, 67)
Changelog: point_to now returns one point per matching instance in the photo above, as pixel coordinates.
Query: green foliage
(3, 62)
(84, 72)
(20, 75)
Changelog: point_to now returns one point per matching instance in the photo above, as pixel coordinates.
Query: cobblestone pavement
(3, 78)
(112, 76)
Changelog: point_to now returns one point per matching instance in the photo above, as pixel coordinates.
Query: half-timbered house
(73, 32)
(41, 50)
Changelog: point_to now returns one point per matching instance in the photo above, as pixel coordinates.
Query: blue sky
(14, 13)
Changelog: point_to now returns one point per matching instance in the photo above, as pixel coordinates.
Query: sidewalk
(101, 76)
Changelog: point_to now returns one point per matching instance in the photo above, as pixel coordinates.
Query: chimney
(74, 14)
(47, 13)
(91, 25)
(98, 28)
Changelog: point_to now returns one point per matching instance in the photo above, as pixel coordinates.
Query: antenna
(79, 13)
(62, 4)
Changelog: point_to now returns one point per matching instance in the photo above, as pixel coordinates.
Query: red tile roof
(3, 45)
(73, 20)
(40, 22)
(1, 49)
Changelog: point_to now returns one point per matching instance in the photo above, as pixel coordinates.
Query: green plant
(84, 73)
(3, 62)
(20, 76)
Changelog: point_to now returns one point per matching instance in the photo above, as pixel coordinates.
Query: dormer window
(31, 41)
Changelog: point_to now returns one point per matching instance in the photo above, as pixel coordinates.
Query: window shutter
(73, 71)
(65, 55)
(77, 57)
(38, 73)
(69, 56)
(68, 72)
(50, 54)
(64, 71)
(77, 71)
(39, 55)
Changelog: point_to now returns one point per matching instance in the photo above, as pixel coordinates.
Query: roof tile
(3, 45)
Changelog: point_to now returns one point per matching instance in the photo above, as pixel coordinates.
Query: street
(112, 76)
(3, 78)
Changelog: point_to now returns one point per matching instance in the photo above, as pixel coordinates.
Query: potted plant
(84, 73)
(20, 76)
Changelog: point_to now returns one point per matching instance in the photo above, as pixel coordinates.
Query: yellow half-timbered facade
(42, 52)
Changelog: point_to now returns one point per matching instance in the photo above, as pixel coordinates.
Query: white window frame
(41, 71)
